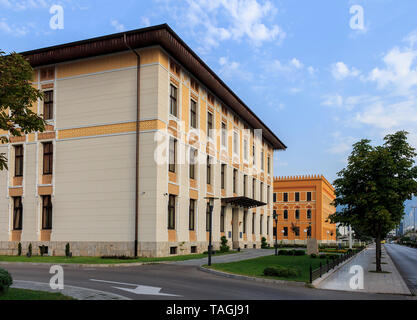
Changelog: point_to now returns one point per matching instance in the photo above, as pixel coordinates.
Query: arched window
(309, 214)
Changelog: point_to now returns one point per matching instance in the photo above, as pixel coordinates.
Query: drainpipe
(137, 146)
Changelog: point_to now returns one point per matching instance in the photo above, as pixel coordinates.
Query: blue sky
(316, 82)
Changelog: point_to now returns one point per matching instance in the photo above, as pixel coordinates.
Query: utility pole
(350, 237)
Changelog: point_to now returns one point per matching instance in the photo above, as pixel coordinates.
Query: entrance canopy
(243, 202)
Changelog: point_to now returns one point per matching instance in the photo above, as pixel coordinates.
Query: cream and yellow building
(125, 163)
(302, 205)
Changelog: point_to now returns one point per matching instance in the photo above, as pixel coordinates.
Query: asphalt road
(405, 260)
(179, 282)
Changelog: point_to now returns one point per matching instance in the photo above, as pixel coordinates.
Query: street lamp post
(414, 216)
(211, 205)
(275, 216)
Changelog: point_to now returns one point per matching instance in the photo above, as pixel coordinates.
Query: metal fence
(330, 264)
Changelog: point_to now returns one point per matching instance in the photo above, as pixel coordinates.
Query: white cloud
(398, 73)
(296, 63)
(332, 100)
(145, 21)
(241, 19)
(411, 38)
(118, 26)
(232, 69)
(311, 70)
(341, 71)
(5, 27)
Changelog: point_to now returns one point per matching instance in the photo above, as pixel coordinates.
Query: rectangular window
(245, 149)
(308, 213)
(191, 220)
(18, 161)
(267, 225)
(261, 191)
(224, 134)
(254, 154)
(268, 189)
(261, 222)
(245, 183)
(285, 231)
(308, 196)
(269, 165)
(235, 142)
(275, 197)
(48, 105)
(222, 218)
(234, 180)
(208, 217)
(173, 101)
(262, 160)
(253, 188)
(223, 176)
(253, 223)
(245, 216)
(46, 213)
(193, 155)
(48, 154)
(17, 213)
(193, 114)
(285, 197)
(297, 231)
(297, 196)
(286, 214)
(297, 214)
(209, 124)
(208, 170)
(171, 212)
(172, 154)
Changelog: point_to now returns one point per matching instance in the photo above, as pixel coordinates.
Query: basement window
(173, 250)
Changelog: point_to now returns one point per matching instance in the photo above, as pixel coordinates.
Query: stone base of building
(98, 249)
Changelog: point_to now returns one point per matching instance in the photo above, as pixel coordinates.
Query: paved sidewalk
(71, 291)
(391, 282)
(244, 255)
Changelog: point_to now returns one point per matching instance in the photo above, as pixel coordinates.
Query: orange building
(302, 206)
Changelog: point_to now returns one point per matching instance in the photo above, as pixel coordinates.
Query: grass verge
(23, 294)
(255, 267)
(99, 260)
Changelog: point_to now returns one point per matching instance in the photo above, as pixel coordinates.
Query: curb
(78, 293)
(80, 265)
(241, 277)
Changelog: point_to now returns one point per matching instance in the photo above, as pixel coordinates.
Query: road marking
(140, 289)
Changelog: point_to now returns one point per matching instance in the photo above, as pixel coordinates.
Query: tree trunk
(378, 254)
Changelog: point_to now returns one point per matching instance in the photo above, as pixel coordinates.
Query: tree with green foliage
(17, 95)
(372, 189)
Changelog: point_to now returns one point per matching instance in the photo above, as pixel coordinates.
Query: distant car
(383, 241)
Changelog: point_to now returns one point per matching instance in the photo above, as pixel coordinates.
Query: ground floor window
(17, 213)
(222, 218)
(171, 212)
(208, 218)
(192, 215)
(285, 231)
(46, 213)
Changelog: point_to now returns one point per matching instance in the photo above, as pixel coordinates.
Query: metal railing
(330, 264)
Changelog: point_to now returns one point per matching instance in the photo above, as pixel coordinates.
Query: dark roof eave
(164, 36)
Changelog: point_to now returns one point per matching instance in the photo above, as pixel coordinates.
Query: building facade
(140, 131)
(302, 206)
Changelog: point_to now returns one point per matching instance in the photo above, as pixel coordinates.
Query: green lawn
(23, 294)
(98, 260)
(255, 267)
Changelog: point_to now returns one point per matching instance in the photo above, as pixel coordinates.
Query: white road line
(140, 289)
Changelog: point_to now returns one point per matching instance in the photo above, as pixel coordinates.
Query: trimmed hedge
(280, 271)
(5, 281)
(293, 252)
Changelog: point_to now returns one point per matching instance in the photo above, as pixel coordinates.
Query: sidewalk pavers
(389, 282)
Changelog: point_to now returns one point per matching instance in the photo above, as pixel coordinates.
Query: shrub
(19, 249)
(224, 247)
(5, 281)
(280, 271)
(29, 253)
(313, 255)
(118, 257)
(299, 252)
(282, 252)
(67, 250)
(264, 244)
(322, 256)
(290, 252)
